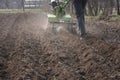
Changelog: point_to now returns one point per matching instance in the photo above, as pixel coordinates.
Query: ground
(30, 50)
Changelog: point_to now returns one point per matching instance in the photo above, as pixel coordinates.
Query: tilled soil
(29, 51)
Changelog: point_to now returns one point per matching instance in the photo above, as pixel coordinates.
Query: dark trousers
(80, 10)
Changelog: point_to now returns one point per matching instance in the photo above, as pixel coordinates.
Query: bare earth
(29, 50)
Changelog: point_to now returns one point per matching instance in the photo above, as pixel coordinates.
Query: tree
(7, 4)
(118, 7)
(108, 7)
(23, 5)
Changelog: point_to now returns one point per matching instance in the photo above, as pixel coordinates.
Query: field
(29, 50)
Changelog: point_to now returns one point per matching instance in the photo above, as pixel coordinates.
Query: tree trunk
(23, 5)
(118, 7)
(7, 4)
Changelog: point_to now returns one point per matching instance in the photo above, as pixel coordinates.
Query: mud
(31, 51)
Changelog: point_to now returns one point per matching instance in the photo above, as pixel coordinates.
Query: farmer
(80, 10)
(54, 3)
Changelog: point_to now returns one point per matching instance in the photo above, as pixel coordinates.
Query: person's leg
(84, 2)
(81, 24)
(80, 16)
